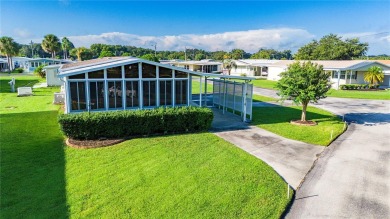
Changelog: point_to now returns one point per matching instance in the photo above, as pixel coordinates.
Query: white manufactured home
(342, 72)
(125, 83)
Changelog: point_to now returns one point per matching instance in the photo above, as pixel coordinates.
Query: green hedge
(358, 86)
(121, 124)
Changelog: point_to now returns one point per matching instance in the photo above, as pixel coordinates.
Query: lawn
(180, 176)
(263, 83)
(375, 95)
(196, 87)
(277, 120)
(260, 98)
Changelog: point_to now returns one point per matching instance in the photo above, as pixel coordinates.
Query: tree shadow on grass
(19, 82)
(32, 166)
(278, 114)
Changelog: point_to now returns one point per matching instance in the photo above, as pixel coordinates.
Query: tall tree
(303, 83)
(374, 75)
(8, 48)
(67, 45)
(51, 44)
(237, 54)
(332, 47)
(229, 64)
(81, 53)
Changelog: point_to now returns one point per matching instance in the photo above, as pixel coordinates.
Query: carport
(229, 93)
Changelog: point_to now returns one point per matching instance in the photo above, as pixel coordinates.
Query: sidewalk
(290, 159)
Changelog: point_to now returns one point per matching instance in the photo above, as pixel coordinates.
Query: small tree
(150, 57)
(374, 75)
(229, 64)
(303, 83)
(40, 72)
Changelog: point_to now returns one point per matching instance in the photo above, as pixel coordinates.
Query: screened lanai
(130, 83)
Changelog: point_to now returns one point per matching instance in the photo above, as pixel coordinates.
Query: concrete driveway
(351, 179)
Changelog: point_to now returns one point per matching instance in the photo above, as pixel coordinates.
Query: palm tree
(79, 52)
(51, 44)
(9, 48)
(374, 75)
(66, 46)
(229, 64)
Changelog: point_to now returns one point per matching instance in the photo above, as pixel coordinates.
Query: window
(353, 76)
(149, 93)
(180, 74)
(165, 93)
(115, 72)
(78, 76)
(114, 94)
(96, 74)
(181, 92)
(148, 71)
(131, 71)
(165, 72)
(335, 74)
(132, 98)
(77, 96)
(186, 66)
(96, 95)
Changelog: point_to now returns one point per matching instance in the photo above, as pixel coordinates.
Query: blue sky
(210, 25)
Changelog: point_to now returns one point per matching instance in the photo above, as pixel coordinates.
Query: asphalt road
(351, 178)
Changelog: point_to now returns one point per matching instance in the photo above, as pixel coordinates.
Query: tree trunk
(9, 64)
(304, 107)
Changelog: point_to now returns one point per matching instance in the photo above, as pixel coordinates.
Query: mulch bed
(303, 123)
(86, 144)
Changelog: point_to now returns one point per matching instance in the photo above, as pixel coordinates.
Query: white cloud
(22, 33)
(250, 41)
(378, 43)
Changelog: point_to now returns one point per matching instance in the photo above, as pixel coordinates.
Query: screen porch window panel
(132, 97)
(115, 94)
(166, 93)
(77, 96)
(181, 92)
(96, 95)
(149, 93)
(131, 71)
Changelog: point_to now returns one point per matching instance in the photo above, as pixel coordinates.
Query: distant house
(122, 83)
(34, 63)
(342, 72)
(252, 67)
(52, 78)
(206, 65)
(3, 65)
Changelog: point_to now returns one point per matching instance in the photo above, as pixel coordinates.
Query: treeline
(329, 47)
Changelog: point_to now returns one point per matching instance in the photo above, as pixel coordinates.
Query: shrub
(18, 70)
(121, 124)
(343, 87)
(39, 71)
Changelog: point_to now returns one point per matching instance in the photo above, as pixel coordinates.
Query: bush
(18, 70)
(343, 87)
(121, 124)
(39, 71)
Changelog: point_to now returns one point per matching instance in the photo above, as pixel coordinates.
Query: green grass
(196, 87)
(180, 176)
(375, 95)
(260, 98)
(277, 120)
(263, 83)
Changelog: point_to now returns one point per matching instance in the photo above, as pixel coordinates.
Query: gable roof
(332, 64)
(109, 62)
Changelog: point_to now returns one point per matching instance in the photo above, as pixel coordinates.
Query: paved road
(351, 179)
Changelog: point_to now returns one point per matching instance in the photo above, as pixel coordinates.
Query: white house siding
(273, 73)
(51, 77)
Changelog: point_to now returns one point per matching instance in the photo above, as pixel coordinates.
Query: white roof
(255, 62)
(97, 64)
(201, 62)
(331, 64)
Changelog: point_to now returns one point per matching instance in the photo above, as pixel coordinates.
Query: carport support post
(338, 79)
(205, 91)
(244, 96)
(224, 95)
(200, 91)
(234, 96)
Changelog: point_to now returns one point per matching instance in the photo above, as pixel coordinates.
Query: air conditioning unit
(59, 98)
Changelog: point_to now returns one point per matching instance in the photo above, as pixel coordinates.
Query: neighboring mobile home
(206, 65)
(252, 67)
(342, 72)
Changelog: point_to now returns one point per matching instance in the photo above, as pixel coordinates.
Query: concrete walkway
(290, 159)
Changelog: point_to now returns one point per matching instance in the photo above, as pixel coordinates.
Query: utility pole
(155, 49)
(32, 49)
(185, 53)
